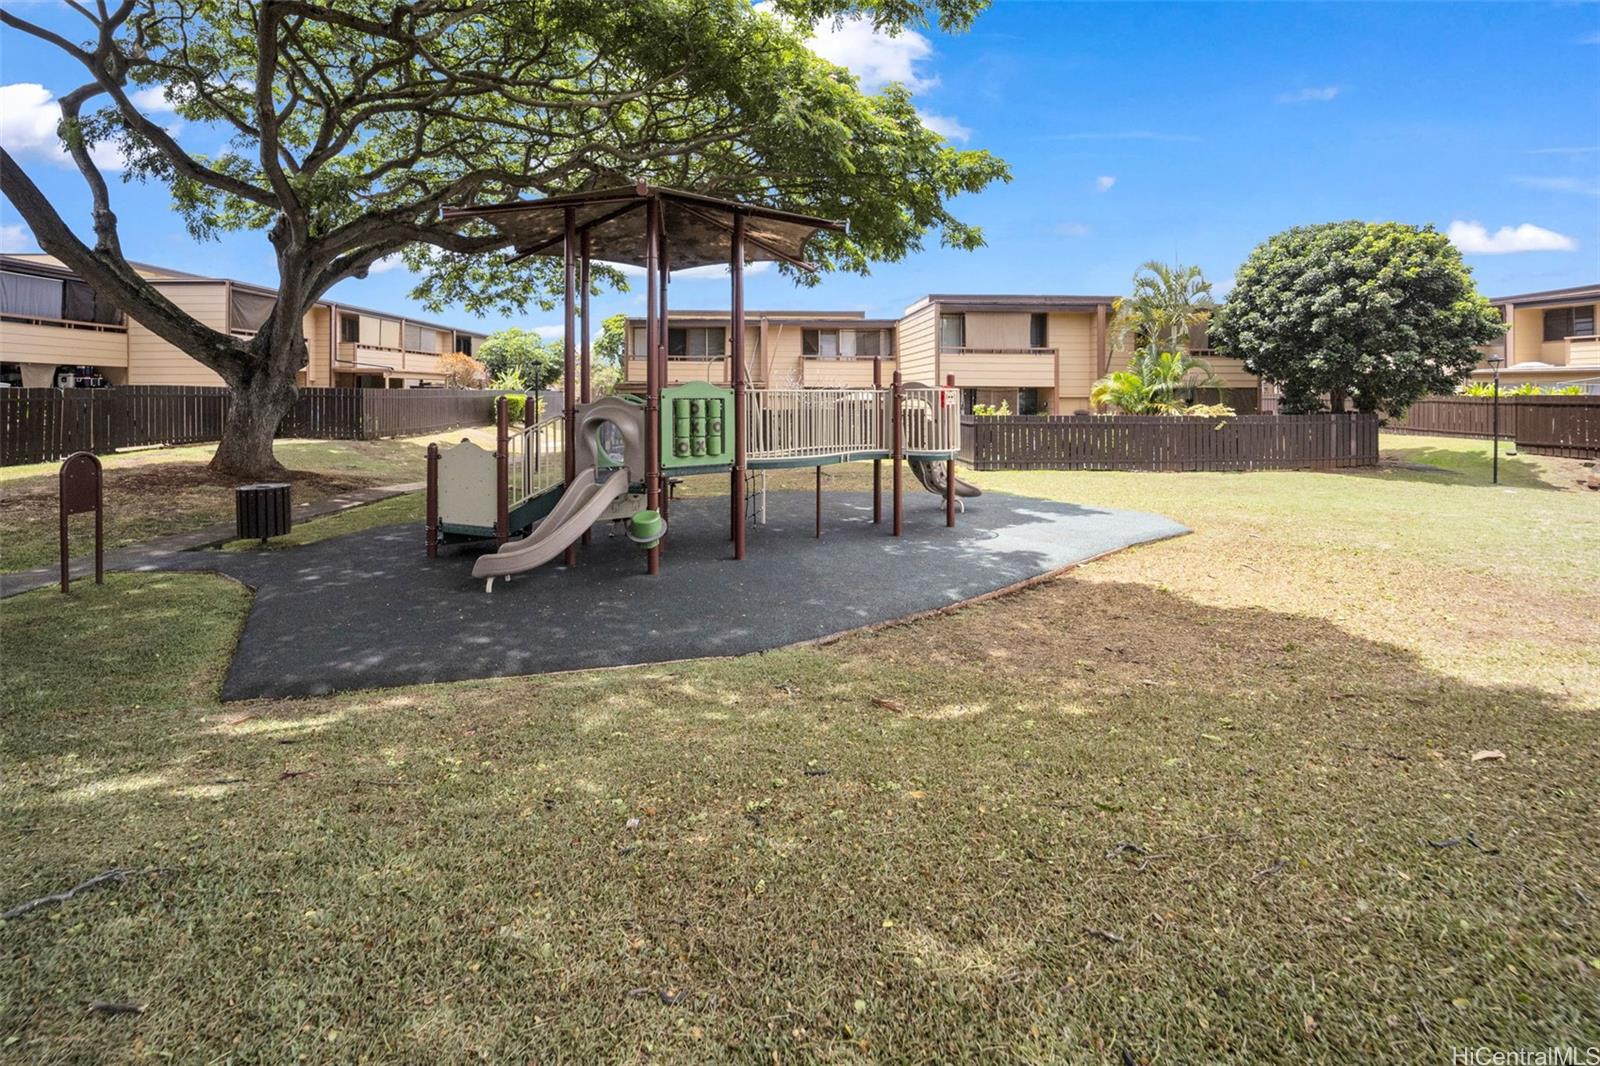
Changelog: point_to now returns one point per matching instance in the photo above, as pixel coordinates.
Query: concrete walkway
(369, 609)
(157, 554)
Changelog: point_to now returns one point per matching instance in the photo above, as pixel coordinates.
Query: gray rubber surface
(370, 609)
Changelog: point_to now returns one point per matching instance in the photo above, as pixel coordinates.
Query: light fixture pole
(1494, 365)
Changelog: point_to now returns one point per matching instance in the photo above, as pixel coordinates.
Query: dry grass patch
(1166, 809)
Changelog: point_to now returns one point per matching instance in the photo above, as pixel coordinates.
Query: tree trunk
(259, 404)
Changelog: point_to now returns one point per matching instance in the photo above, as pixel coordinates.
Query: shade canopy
(699, 229)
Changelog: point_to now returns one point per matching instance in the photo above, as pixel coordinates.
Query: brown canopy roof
(699, 228)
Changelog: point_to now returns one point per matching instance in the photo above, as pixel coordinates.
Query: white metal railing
(814, 423)
(930, 419)
(535, 459)
(822, 423)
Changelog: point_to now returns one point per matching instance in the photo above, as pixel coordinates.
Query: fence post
(433, 501)
(502, 472)
(899, 452)
(950, 463)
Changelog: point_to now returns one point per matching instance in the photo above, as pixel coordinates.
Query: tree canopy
(1380, 312)
(1167, 302)
(515, 350)
(347, 125)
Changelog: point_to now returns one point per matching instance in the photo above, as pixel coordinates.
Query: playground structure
(557, 478)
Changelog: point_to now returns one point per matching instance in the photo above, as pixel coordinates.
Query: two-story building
(1036, 354)
(55, 329)
(783, 349)
(1551, 338)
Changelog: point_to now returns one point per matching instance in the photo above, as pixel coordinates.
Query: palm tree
(1155, 383)
(1167, 301)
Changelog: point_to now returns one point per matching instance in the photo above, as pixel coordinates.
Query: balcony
(819, 373)
(353, 356)
(715, 371)
(1021, 368)
(28, 339)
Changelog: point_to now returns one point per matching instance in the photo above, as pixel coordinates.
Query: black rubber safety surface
(369, 609)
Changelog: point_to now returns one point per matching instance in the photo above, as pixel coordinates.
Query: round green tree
(1377, 313)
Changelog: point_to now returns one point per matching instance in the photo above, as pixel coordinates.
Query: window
(1038, 330)
(349, 329)
(463, 344)
(969, 397)
(696, 342)
(869, 344)
(640, 350)
(24, 294)
(1029, 402)
(952, 331)
(1563, 322)
(819, 343)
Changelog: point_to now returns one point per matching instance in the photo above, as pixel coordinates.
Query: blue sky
(1135, 131)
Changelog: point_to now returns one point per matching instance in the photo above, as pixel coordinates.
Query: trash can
(261, 511)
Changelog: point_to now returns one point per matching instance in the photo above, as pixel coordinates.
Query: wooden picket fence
(42, 425)
(1142, 442)
(1543, 425)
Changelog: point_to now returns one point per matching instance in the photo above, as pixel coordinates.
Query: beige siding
(29, 342)
(997, 369)
(1072, 336)
(781, 363)
(319, 368)
(152, 361)
(916, 344)
(843, 373)
(1527, 337)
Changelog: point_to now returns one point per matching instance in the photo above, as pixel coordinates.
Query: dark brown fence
(1543, 425)
(41, 425)
(1139, 442)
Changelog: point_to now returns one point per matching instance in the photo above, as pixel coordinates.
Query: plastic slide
(580, 507)
(931, 473)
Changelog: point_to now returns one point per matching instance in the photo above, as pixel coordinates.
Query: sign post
(82, 489)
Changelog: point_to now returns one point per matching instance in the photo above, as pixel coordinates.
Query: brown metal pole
(652, 375)
(433, 501)
(61, 498)
(877, 464)
(99, 523)
(584, 284)
(949, 466)
(666, 342)
(502, 471)
(899, 455)
(736, 271)
(569, 367)
(819, 501)
(587, 371)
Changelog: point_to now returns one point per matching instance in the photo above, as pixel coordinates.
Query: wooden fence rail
(1543, 425)
(1123, 442)
(42, 425)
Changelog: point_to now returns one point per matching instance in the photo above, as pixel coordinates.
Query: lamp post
(1494, 365)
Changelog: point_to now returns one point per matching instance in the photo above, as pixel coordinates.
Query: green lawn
(158, 491)
(1213, 799)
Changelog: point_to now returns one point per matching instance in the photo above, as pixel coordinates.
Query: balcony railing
(353, 354)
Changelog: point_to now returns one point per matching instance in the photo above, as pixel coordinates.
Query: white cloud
(150, 98)
(1071, 229)
(550, 333)
(946, 126)
(875, 57)
(1474, 239)
(1310, 95)
(1593, 38)
(1587, 149)
(29, 115)
(389, 262)
(1104, 182)
(1583, 186)
(16, 238)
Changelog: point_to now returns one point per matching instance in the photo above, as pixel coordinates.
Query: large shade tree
(349, 124)
(1379, 314)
